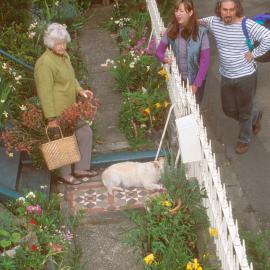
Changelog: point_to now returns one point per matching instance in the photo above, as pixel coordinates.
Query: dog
(133, 174)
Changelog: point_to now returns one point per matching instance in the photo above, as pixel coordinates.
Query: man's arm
(262, 35)
(207, 22)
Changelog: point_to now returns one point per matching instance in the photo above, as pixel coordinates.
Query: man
(238, 68)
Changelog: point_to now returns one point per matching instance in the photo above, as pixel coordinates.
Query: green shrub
(166, 231)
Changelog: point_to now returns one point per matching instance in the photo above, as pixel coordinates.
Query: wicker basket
(60, 152)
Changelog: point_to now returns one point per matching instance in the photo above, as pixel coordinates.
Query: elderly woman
(57, 89)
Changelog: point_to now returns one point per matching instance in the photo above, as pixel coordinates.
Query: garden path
(100, 232)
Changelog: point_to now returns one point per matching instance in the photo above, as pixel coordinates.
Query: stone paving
(92, 197)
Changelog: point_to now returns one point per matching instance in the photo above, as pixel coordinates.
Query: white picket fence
(229, 248)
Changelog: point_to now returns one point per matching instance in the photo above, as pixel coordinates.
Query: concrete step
(106, 159)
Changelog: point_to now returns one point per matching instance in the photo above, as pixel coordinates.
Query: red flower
(34, 247)
(32, 222)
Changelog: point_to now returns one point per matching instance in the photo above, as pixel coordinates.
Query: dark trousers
(84, 138)
(237, 97)
(200, 91)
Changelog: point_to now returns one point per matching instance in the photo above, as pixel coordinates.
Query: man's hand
(249, 57)
(86, 93)
(167, 60)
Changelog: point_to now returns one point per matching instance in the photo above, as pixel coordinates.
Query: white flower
(4, 66)
(43, 187)
(104, 65)
(2, 101)
(115, 67)
(144, 90)
(56, 3)
(10, 155)
(60, 195)
(111, 18)
(116, 22)
(23, 107)
(30, 195)
(5, 114)
(132, 65)
(147, 68)
(31, 34)
(21, 199)
(18, 77)
(32, 26)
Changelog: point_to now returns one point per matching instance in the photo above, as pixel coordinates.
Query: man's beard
(227, 20)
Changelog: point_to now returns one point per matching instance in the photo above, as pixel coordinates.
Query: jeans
(237, 96)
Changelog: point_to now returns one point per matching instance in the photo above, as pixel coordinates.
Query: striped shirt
(232, 46)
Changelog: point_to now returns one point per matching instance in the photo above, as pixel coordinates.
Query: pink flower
(68, 235)
(36, 209)
(55, 247)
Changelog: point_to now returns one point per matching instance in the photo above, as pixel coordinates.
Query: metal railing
(16, 60)
(229, 248)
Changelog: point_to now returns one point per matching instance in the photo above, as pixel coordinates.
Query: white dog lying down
(133, 174)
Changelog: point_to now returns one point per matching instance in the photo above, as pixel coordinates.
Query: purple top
(204, 57)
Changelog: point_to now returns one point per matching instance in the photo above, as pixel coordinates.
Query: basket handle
(46, 129)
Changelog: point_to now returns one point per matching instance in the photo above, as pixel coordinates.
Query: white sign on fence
(189, 140)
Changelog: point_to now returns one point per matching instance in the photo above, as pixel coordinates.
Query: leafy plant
(258, 248)
(141, 112)
(28, 131)
(8, 239)
(52, 242)
(166, 238)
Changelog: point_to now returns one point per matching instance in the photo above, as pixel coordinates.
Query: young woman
(190, 44)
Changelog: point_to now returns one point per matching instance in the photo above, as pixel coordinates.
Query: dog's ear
(159, 163)
(156, 164)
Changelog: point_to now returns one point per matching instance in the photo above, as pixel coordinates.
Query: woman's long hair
(192, 27)
(238, 4)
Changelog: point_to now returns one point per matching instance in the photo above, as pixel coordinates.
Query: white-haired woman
(57, 89)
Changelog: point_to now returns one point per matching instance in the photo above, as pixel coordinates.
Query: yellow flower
(149, 259)
(146, 111)
(166, 203)
(166, 104)
(196, 264)
(10, 155)
(213, 232)
(189, 266)
(162, 72)
(157, 105)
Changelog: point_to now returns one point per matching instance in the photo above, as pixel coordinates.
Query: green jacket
(56, 84)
